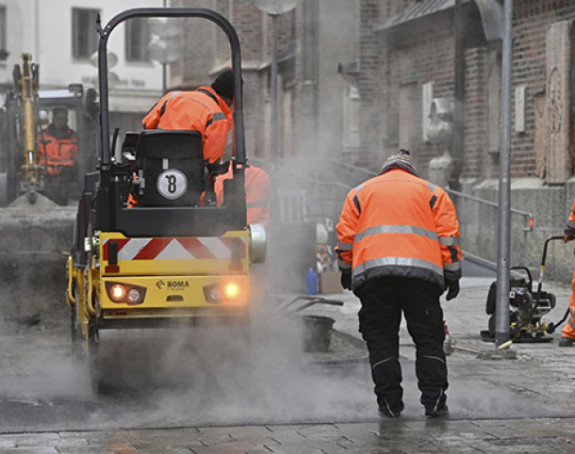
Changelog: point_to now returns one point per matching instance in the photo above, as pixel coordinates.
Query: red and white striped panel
(177, 248)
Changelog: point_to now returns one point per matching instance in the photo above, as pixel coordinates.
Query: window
(3, 24)
(137, 40)
(351, 113)
(407, 99)
(426, 101)
(84, 35)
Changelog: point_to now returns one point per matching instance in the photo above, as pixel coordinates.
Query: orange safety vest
(571, 221)
(257, 184)
(57, 153)
(397, 224)
(569, 328)
(201, 110)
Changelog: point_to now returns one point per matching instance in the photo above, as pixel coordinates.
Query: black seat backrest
(171, 164)
(130, 142)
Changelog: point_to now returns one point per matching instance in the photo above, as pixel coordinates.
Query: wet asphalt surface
(174, 378)
(211, 392)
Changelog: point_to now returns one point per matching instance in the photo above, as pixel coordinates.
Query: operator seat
(170, 167)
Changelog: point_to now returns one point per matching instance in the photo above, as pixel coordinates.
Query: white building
(61, 36)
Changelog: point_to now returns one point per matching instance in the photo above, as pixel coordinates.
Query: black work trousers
(383, 300)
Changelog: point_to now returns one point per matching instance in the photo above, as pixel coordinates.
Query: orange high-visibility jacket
(57, 153)
(200, 110)
(257, 184)
(569, 328)
(398, 224)
(570, 226)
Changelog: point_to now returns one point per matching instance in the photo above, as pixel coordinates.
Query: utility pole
(504, 219)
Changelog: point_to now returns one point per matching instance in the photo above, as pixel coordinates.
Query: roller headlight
(225, 292)
(125, 293)
(232, 291)
(117, 293)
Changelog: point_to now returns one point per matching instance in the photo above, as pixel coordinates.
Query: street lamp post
(274, 88)
(504, 220)
(274, 8)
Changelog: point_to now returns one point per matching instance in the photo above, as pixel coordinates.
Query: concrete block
(329, 283)
(558, 111)
(292, 251)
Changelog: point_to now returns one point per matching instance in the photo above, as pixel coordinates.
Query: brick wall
(423, 50)
(198, 60)
(371, 71)
(478, 162)
(415, 53)
(532, 19)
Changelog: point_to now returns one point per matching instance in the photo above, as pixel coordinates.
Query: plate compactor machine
(526, 305)
(174, 259)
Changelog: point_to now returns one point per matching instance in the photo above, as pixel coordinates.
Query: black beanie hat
(224, 84)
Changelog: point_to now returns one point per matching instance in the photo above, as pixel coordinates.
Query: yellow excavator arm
(26, 86)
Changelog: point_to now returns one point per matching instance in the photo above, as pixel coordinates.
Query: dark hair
(224, 84)
(59, 110)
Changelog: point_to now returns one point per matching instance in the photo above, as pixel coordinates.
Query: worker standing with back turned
(398, 251)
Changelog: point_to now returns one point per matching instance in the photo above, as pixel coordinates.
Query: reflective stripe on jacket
(57, 153)
(257, 184)
(201, 110)
(398, 224)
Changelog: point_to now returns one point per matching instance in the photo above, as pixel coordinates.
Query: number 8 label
(172, 184)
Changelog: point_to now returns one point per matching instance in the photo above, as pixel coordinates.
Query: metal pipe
(504, 221)
(164, 78)
(479, 229)
(487, 202)
(164, 65)
(274, 89)
(526, 231)
(458, 143)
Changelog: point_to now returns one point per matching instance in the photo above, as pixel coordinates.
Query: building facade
(62, 39)
(408, 48)
(312, 40)
(409, 57)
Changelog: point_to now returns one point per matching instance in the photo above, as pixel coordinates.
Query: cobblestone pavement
(531, 435)
(506, 406)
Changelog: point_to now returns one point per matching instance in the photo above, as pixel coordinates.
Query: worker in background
(257, 187)
(568, 333)
(206, 110)
(398, 251)
(258, 191)
(58, 146)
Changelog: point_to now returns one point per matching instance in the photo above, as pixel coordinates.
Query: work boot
(390, 411)
(566, 342)
(436, 412)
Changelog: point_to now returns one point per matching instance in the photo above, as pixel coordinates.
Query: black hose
(540, 283)
(551, 327)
